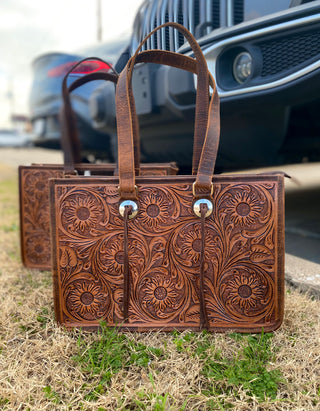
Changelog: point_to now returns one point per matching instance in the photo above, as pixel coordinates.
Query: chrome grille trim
(229, 13)
(190, 17)
(173, 16)
(208, 15)
(162, 32)
(172, 37)
(147, 24)
(151, 41)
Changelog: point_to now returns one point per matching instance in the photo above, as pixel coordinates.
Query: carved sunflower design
(160, 293)
(37, 184)
(87, 299)
(82, 213)
(245, 291)
(112, 255)
(244, 208)
(192, 244)
(38, 248)
(154, 211)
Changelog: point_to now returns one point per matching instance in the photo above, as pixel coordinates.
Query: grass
(44, 367)
(247, 368)
(109, 354)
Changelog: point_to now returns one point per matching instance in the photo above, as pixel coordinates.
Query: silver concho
(134, 206)
(196, 207)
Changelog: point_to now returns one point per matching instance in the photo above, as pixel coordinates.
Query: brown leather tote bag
(170, 252)
(33, 180)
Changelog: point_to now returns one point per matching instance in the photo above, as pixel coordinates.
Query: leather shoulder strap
(202, 69)
(70, 141)
(125, 114)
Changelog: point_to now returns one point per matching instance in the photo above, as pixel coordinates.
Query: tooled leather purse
(171, 252)
(33, 180)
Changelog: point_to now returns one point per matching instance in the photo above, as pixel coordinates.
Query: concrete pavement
(303, 228)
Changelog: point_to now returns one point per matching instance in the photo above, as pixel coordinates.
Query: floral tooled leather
(35, 217)
(34, 207)
(243, 268)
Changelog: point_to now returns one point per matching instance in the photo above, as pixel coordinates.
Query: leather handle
(70, 141)
(174, 60)
(210, 137)
(202, 104)
(97, 75)
(126, 114)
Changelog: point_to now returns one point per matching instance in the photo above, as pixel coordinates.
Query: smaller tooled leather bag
(170, 252)
(33, 180)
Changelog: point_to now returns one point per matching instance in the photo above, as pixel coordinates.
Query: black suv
(264, 56)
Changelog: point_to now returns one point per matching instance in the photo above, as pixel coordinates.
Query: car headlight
(242, 67)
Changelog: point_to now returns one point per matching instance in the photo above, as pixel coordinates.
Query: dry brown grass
(38, 372)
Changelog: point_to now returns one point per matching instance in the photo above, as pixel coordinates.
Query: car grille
(289, 52)
(198, 16)
(237, 11)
